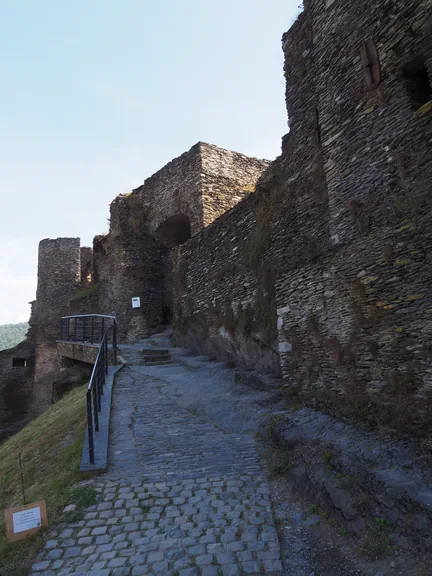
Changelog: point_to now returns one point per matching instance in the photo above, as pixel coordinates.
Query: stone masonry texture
(16, 384)
(64, 287)
(134, 259)
(327, 265)
(58, 274)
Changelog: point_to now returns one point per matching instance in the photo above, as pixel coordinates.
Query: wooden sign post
(24, 521)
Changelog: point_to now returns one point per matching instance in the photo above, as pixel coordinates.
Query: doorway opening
(173, 232)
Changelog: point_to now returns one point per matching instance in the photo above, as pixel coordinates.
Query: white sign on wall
(136, 302)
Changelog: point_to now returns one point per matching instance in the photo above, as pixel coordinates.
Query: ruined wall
(58, 274)
(16, 382)
(202, 184)
(86, 265)
(354, 324)
(175, 189)
(173, 204)
(226, 178)
(85, 301)
(225, 277)
(342, 223)
(127, 265)
(373, 139)
(317, 267)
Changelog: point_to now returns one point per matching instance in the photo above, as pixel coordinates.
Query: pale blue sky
(96, 95)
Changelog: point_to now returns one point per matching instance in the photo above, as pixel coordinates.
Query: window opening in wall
(417, 83)
(19, 362)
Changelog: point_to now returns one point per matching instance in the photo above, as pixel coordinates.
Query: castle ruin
(315, 267)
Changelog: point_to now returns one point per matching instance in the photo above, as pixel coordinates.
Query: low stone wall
(86, 353)
(83, 352)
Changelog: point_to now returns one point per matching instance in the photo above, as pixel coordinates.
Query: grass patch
(361, 500)
(317, 511)
(284, 464)
(50, 449)
(328, 455)
(377, 542)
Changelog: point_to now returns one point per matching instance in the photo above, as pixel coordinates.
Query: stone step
(156, 358)
(157, 362)
(155, 351)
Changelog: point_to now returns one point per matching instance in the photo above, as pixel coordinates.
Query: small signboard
(24, 521)
(136, 302)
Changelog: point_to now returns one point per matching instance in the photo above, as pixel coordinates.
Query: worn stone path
(182, 496)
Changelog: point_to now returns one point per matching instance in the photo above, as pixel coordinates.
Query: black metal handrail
(86, 328)
(93, 328)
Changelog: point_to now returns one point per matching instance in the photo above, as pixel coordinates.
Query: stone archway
(172, 232)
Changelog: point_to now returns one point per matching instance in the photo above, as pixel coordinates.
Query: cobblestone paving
(181, 497)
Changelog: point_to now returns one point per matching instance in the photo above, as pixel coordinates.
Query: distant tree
(12, 334)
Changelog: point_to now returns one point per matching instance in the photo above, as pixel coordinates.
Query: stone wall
(226, 178)
(224, 290)
(127, 265)
(16, 382)
(59, 272)
(86, 265)
(82, 352)
(85, 301)
(173, 204)
(202, 184)
(340, 227)
(354, 323)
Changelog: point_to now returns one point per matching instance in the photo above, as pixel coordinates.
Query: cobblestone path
(181, 497)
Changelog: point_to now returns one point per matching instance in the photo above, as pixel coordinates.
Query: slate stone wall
(340, 225)
(226, 178)
(127, 265)
(354, 323)
(130, 261)
(80, 352)
(88, 303)
(86, 260)
(15, 387)
(223, 296)
(202, 184)
(59, 272)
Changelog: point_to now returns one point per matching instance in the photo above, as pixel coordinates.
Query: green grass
(314, 509)
(50, 449)
(284, 464)
(377, 542)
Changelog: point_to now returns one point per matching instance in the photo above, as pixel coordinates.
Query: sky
(97, 95)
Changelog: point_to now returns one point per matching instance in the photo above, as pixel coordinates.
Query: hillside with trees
(12, 334)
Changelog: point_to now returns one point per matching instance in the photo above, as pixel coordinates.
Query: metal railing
(90, 329)
(86, 328)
